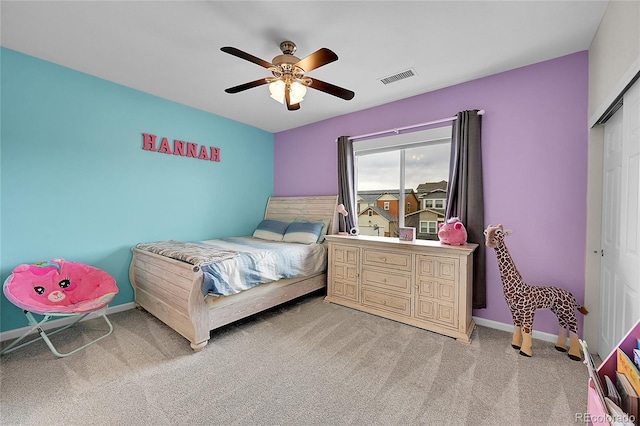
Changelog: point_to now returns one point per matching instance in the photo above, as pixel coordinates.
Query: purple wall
(534, 141)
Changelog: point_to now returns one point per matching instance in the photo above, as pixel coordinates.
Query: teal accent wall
(76, 183)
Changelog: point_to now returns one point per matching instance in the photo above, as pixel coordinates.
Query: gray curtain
(346, 183)
(465, 194)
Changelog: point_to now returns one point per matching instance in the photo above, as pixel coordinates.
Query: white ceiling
(171, 49)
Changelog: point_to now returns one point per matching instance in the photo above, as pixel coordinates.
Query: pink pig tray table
(56, 289)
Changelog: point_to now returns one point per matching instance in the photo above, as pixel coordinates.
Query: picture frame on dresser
(407, 234)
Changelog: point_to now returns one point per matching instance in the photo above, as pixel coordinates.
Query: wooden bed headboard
(315, 207)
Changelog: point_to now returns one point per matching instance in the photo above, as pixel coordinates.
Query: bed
(172, 289)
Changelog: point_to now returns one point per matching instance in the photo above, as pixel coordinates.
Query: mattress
(258, 262)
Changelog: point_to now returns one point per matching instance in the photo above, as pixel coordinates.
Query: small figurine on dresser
(342, 225)
(452, 232)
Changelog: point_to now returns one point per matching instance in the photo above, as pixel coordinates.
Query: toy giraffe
(524, 299)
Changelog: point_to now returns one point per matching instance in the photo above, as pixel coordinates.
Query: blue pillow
(324, 222)
(272, 230)
(303, 232)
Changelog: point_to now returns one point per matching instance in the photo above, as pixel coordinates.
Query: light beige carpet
(305, 363)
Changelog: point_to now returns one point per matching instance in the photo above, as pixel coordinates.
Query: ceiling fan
(289, 82)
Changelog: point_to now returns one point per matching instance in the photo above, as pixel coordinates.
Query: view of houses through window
(424, 168)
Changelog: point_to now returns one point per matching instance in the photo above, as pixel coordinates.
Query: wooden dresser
(423, 283)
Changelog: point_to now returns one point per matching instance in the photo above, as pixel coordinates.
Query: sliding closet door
(620, 279)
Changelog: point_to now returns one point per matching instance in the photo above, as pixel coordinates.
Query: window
(435, 204)
(402, 162)
(428, 227)
(370, 213)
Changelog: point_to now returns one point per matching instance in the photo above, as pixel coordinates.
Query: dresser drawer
(343, 289)
(433, 310)
(386, 259)
(341, 271)
(344, 254)
(437, 267)
(387, 281)
(442, 290)
(387, 302)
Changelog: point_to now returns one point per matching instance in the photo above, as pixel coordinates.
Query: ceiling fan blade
(247, 57)
(287, 99)
(317, 59)
(331, 89)
(246, 86)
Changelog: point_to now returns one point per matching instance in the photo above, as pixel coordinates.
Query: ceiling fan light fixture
(277, 90)
(297, 91)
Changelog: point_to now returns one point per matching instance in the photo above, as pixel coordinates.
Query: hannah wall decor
(181, 148)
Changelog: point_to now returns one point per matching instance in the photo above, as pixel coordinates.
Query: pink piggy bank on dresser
(452, 232)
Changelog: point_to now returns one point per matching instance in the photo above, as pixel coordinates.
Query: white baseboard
(14, 334)
(547, 337)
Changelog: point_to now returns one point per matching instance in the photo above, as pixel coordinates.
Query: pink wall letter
(203, 153)
(178, 147)
(149, 142)
(164, 146)
(215, 154)
(192, 149)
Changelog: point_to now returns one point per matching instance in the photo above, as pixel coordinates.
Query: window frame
(400, 143)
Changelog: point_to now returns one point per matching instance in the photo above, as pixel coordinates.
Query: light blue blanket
(258, 262)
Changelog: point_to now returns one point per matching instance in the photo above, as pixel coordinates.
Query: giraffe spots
(524, 299)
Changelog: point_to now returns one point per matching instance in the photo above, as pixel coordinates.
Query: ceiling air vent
(399, 76)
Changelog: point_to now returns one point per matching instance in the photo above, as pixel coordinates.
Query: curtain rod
(399, 129)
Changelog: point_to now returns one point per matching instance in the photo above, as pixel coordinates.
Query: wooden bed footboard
(171, 290)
